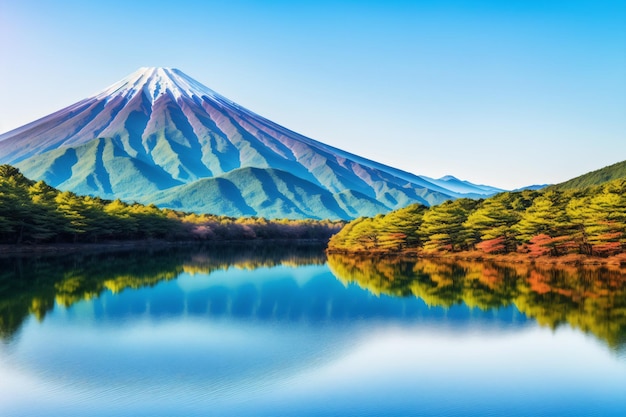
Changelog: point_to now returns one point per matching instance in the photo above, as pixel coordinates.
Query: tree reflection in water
(32, 285)
(590, 299)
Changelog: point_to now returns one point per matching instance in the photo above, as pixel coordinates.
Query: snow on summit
(157, 81)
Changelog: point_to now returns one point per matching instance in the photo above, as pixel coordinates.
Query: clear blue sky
(506, 93)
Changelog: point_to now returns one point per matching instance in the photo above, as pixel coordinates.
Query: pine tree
(492, 221)
(400, 228)
(47, 222)
(442, 225)
(73, 210)
(547, 217)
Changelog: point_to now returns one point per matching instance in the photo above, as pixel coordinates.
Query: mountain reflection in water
(439, 292)
(32, 285)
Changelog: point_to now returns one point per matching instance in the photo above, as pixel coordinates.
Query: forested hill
(34, 212)
(591, 221)
(597, 177)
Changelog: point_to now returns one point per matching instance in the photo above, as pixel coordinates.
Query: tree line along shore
(545, 223)
(34, 213)
(588, 222)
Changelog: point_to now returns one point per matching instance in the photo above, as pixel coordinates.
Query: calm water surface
(247, 331)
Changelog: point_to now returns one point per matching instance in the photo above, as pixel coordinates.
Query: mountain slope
(158, 129)
(596, 177)
(464, 187)
(262, 192)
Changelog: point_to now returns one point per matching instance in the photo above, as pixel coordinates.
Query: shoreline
(70, 248)
(618, 260)
(615, 261)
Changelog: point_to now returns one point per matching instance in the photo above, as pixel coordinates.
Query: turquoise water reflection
(251, 332)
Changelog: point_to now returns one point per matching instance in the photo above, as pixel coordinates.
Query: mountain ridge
(595, 177)
(247, 192)
(158, 129)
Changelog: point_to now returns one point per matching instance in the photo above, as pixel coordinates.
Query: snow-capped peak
(157, 81)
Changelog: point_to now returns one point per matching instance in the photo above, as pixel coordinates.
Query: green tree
(8, 219)
(73, 210)
(547, 218)
(365, 234)
(15, 207)
(399, 229)
(601, 217)
(582, 219)
(340, 240)
(442, 225)
(492, 220)
(46, 221)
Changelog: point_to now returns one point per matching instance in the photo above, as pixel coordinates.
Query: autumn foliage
(592, 299)
(591, 221)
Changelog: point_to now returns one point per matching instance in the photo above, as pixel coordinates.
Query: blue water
(293, 340)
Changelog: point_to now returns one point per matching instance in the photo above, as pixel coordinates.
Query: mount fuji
(158, 136)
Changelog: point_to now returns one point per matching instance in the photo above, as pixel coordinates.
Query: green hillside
(265, 192)
(600, 176)
(34, 212)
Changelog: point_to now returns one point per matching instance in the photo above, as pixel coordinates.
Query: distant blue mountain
(160, 136)
(533, 187)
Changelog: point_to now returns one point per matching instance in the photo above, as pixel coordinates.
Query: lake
(284, 331)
